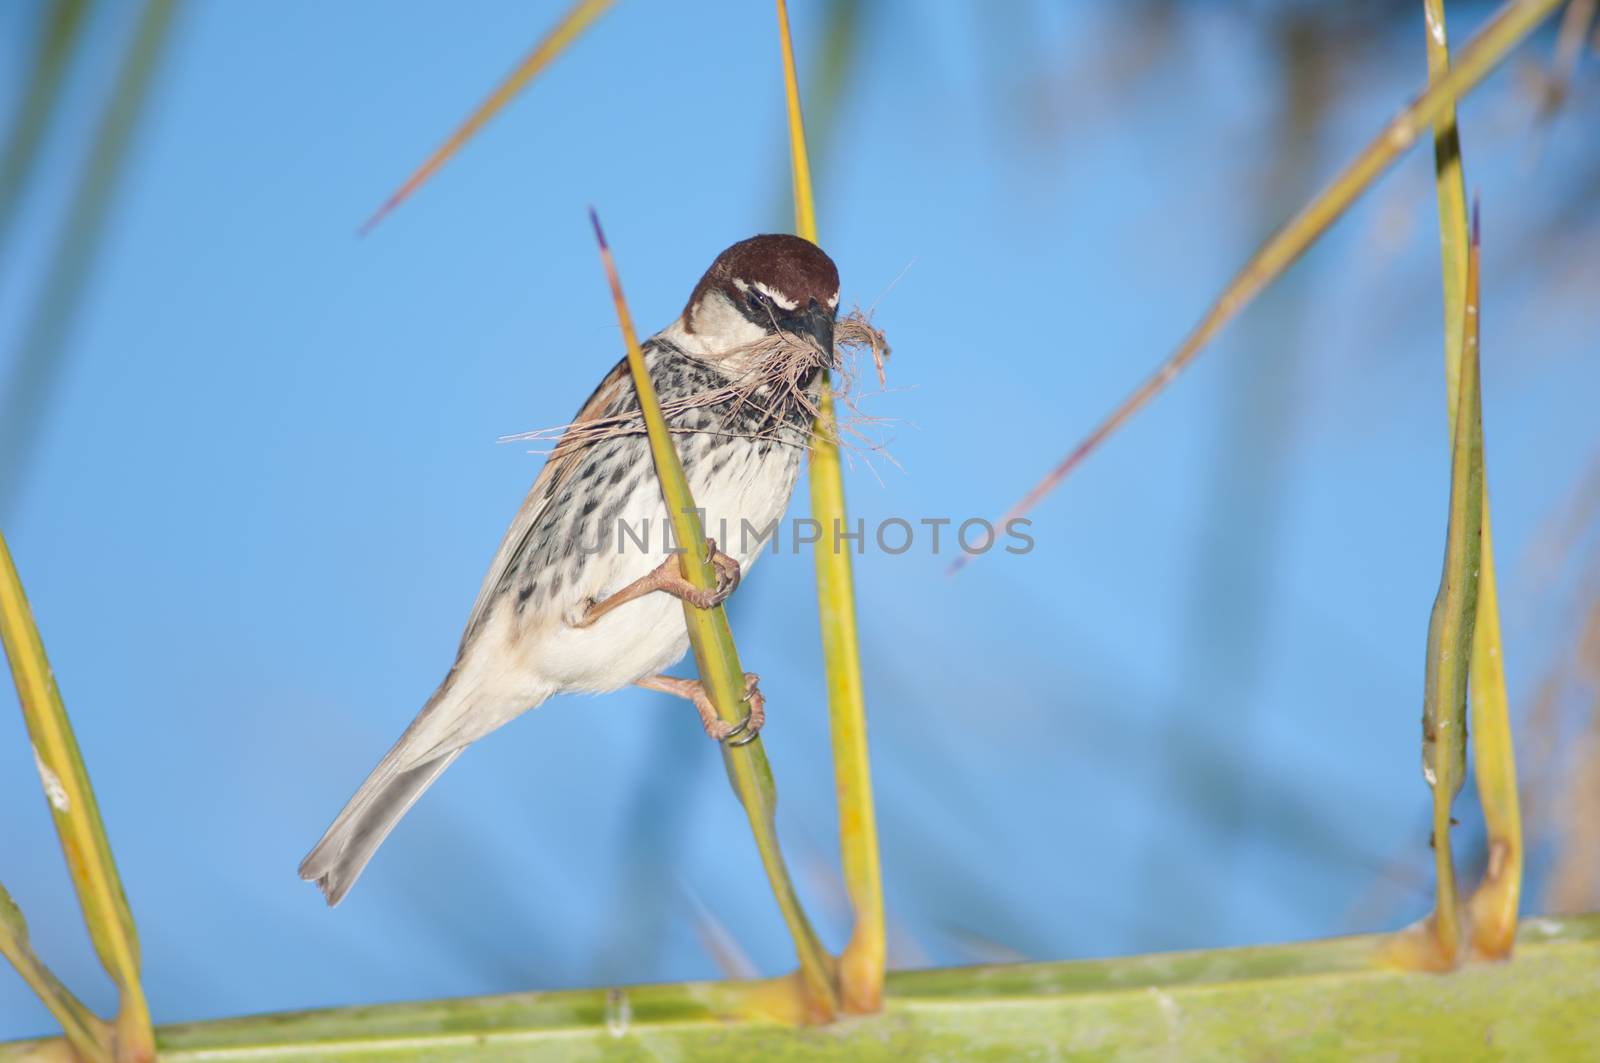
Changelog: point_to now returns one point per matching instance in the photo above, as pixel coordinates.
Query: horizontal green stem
(1311, 1000)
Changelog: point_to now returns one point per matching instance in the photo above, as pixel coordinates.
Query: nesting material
(777, 366)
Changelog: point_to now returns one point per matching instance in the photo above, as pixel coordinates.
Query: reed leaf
(1450, 186)
(1450, 636)
(1315, 1000)
(1493, 908)
(36, 371)
(77, 818)
(577, 19)
(718, 661)
(1513, 22)
(85, 1032)
(1495, 903)
(861, 964)
(37, 103)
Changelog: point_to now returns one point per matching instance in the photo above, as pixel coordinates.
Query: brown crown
(797, 269)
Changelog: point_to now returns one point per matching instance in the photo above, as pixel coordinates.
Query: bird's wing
(558, 468)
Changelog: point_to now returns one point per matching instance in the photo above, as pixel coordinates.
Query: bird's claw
(727, 732)
(745, 730)
(728, 575)
(728, 570)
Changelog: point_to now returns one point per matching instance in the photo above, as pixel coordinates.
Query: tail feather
(339, 858)
(477, 696)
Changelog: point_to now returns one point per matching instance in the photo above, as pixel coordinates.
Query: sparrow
(576, 600)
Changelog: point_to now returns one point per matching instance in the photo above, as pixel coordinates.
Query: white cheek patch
(833, 303)
(719, 324)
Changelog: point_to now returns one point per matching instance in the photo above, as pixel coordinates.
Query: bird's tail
(389, 792)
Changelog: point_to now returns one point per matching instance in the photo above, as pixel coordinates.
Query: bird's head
(763, 287)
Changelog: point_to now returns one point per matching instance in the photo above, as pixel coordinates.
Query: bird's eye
(758, 300)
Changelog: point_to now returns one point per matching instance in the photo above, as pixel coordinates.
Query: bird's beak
(815, 323)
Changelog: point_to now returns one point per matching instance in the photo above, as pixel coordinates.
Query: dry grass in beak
(775, 373)
(853, 333)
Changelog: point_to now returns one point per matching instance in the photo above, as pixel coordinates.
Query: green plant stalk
(1494, 903)
(27, 388)
(1450, 186)
(844, 31)
(77, 817)
(1317, 1000)
(1453, 246)
(38, 102)
(861, 965)
(718, 660)
(579, 17)
(1503, 32)
(1451, 627)
(85, 1031)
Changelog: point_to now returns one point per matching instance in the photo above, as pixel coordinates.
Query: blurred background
(249, 471)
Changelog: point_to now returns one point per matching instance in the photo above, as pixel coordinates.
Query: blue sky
(267, 492)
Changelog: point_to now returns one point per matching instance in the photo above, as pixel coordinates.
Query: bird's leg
(668, 577)
(717, 728)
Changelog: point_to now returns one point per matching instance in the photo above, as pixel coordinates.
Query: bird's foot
(668, 577)
(741, 733)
